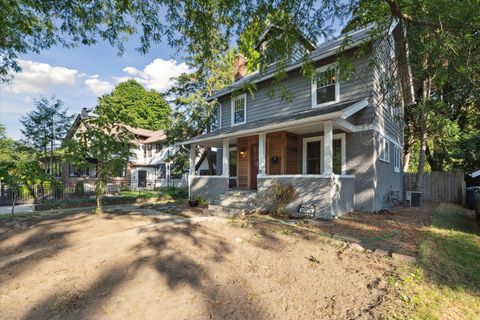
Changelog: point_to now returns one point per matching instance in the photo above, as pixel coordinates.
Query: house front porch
(311, 157)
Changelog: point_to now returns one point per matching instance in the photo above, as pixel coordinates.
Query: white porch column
(261, 153)
(225, 158)
(193, 155)
(328, 148)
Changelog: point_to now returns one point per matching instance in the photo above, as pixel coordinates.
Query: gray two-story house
(337, 141)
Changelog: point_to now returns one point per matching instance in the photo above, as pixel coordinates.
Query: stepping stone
(356, 247)
(380, 252)
(401, 258)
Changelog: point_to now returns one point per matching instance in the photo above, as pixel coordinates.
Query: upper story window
(239, 109)
(384, 149)
(325, 86)
(216, 122)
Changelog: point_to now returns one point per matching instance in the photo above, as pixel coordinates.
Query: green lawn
(446, 282)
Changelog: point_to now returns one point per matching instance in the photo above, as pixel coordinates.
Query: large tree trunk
(99, 192)
(423, 132)
(406, 159)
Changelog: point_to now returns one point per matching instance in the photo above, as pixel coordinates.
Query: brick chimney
(240, 66)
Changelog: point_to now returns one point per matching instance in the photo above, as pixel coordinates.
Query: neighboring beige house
(148, 167)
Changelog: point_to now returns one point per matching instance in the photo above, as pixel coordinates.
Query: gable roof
(326, 49)
(142, 135)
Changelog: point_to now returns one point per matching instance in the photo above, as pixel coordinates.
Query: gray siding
(388, 110)
(208, 187)
(316, 191)
(265, 102)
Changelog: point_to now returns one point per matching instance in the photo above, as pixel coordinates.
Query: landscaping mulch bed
(398, 230)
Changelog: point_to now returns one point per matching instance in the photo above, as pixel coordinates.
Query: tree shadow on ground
(163, 249)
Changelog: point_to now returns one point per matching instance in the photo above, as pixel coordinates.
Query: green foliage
(18, 167)
(79, 188)
(103, 137)
(276, 198)
(202, 201)
(144, 109)
(33, 26)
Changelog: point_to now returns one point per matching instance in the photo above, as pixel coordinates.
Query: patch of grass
(446, 283)
(287, 231)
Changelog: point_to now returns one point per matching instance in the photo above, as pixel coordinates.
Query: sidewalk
(21, 208)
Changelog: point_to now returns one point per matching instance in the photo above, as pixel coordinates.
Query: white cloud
(37, 77)
(157, 74)
(97, 86)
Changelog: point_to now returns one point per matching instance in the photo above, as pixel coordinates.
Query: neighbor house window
(325, 86)
(396, 159)
(149, 150)
(384, 149)
(162, 171)
(313, 162)
(239, 109)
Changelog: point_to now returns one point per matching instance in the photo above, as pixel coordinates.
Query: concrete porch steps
(234, 202)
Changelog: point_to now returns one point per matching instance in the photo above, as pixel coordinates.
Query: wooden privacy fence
(439, 186)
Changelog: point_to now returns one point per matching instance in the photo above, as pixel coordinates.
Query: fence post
(464, 194)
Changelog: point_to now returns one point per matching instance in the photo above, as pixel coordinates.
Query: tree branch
(397, 12)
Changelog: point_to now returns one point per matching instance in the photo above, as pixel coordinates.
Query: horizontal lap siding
(262, 105)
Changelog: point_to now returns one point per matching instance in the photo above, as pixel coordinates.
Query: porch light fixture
(243, 153)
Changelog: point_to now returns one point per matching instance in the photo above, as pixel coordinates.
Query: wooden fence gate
(439, 186)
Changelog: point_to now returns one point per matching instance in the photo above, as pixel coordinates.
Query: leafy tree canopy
(145, 108)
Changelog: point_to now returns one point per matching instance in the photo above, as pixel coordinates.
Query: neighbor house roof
(142, 135)
(323, 51)
(330, 112)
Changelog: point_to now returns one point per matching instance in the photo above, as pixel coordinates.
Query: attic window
(325, 86)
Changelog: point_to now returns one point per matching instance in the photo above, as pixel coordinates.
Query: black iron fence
(83, 189)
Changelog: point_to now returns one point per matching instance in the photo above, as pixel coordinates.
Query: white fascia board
(354, 108)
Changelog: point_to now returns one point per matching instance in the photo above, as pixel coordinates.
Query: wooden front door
(254, 166)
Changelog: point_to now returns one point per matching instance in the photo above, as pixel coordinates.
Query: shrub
(79, 189)
(277, 197)
(202, 201)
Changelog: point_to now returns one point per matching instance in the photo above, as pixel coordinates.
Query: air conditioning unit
(414, 198)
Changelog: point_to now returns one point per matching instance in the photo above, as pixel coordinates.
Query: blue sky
(79, 76)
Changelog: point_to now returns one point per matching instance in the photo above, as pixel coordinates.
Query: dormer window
(239, 109)
(325, 86)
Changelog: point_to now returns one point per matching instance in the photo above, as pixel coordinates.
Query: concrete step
(241, 193)
(222, 211)
(234, 203)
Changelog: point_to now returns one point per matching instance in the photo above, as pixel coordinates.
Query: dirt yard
(81, 266)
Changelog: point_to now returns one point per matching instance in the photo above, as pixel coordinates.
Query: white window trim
(396, 150)
(341, 136)
(337, 87)
(219, 106)
(232, 109)
(381, 146)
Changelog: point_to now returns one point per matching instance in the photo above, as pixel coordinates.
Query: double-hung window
(239, 109)
(325, 86)
(384, 149)
(313, 161)
(396, 159)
